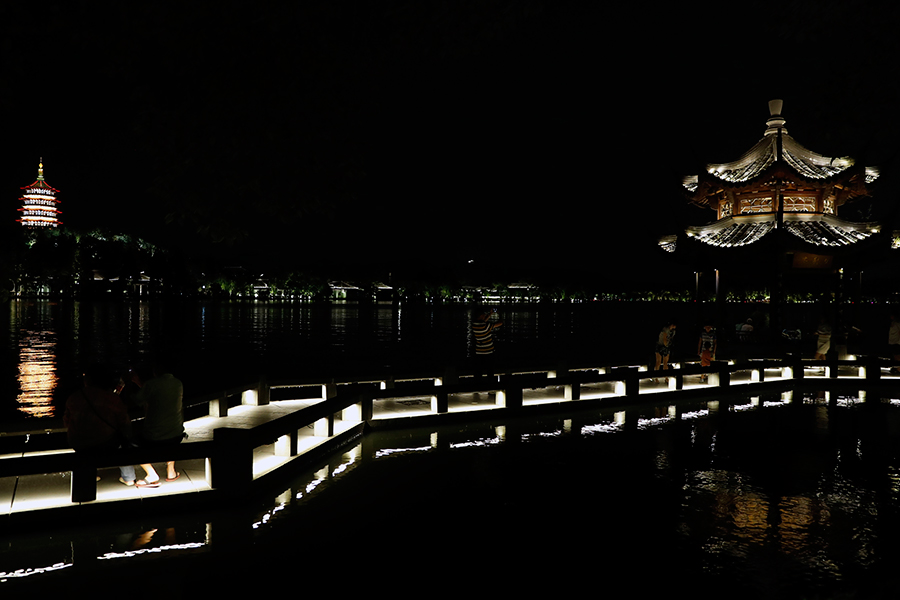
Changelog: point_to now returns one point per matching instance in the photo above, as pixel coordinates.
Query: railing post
(632, 383)
(873, 368)
(795, 361)
(449, 377)
(366, 405)
(83, 487)
(832, 367)
(562, 370)
(721, 376)
(324, 427)
(759, 372)
(286, 445)
(262, 392)
(510, 394)
(218, 407)
(440, 400)
(231, 466)
(677, 381)
(573, 391)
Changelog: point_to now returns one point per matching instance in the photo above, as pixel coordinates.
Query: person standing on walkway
(706, 347)
(664, 343)
(823, 343)
(894, 341)
(96, 419)
(483, 334)
(162, 397)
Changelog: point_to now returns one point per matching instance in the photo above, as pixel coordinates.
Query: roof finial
(41, 169)
(775, 121)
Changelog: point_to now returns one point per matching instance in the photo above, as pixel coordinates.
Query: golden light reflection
(37, 374)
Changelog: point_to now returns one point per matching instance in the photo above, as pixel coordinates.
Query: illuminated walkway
(52, 491)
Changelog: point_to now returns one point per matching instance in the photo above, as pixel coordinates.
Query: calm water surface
(776, 497)
(215, 345)
(793, 497)
(220, 344)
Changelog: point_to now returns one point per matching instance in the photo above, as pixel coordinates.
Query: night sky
(545, 134)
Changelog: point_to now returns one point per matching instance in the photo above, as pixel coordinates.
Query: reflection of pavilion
(777, 211)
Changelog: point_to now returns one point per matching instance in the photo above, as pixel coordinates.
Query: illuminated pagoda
(779, 185)
(39, 203)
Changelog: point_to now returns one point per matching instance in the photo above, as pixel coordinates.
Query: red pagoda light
(39, 203)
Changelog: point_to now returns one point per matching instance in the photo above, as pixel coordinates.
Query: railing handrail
(363, 393)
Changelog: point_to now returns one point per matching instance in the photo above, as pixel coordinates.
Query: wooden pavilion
(777, 214)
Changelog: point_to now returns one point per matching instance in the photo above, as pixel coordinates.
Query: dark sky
(552, 133)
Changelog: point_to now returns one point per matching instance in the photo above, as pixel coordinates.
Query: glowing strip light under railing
(5, 576)
(130, 553)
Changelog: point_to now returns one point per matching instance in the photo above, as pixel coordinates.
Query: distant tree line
(102, 264)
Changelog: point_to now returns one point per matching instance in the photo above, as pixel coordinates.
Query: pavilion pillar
(721, 310)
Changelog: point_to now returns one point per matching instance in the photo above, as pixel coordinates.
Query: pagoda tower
(39, 203)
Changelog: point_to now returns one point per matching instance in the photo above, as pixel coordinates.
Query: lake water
(220, 344)
(215, 345)
(782, 496)
(778, 497)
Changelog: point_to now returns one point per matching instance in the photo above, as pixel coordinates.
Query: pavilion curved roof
(814, 229)
(755, 163)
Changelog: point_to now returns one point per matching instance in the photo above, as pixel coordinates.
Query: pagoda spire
(41, 169)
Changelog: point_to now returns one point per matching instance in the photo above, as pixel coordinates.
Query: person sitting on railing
(164, 424)
(745, 330)
(96, 419)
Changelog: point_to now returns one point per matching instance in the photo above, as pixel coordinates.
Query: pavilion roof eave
(766, 152)
(783, 170)
(704, 183)
(812, 228)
